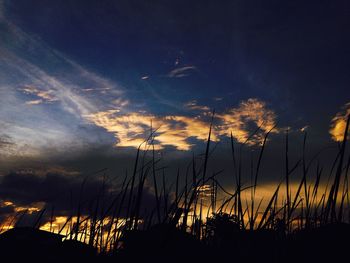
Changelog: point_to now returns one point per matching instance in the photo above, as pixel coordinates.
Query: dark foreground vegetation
(307, 225)
(164, 243)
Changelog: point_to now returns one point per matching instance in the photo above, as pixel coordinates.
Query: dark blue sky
(282, 52)
(76, 75)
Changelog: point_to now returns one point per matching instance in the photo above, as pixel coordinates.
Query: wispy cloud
(181, 72)
(23, 140)
(50, 88)
(62, 91)
(338, 123)
(193, 105)
(99, 83)
(44, 96)
(34, 102)
(67, 87)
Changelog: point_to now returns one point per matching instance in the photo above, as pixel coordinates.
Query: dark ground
(162, 243)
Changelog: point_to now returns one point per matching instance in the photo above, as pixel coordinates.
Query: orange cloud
(250, 112)
(338, 123)
(179, 128)
(133, 128)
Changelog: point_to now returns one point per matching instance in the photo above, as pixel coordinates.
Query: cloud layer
(29, 192)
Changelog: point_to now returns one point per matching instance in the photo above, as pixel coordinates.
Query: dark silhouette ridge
(328, 243)
(161, 243)
(28, 234)
(34, 245)
(224, 240)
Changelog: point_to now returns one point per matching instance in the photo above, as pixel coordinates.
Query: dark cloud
(28, 190)
(63, 194)
(6, 211)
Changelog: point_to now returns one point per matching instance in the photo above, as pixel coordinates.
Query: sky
(83, 83)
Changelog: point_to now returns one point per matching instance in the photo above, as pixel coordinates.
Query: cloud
(45, 96)
(20, 191)
(99, 83)
(129, 129)
(5, 141)
(132, 129)
(48, 88)
(32, 73)
(15, 147)
(7, 145)
(26, 188)
(181, 72)
(192, 105)
(67, 82)
(239, 121)
(305, 128)
(34, 102)
(177, 130)
(338, 123)
(7, 209)
(42, 141)
(73, 96)
(120, 103)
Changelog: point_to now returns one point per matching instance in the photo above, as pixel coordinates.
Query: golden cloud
(338, 123)
(133, 128)
(250, 112)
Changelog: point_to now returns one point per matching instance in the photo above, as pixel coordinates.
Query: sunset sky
(82, 83)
